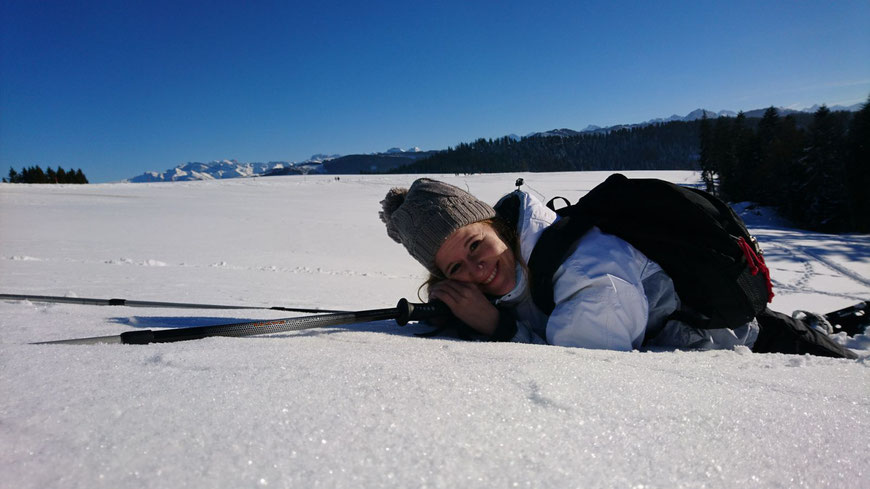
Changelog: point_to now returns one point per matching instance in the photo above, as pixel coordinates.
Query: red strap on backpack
(756, 264)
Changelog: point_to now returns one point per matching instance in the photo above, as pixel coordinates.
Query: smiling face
(476, 254)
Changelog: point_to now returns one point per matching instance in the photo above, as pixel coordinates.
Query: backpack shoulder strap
(557, 240)
(550, 251)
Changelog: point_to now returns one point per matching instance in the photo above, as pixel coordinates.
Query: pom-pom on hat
(422, 217)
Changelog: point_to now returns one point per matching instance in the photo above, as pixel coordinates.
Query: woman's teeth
(491, 276)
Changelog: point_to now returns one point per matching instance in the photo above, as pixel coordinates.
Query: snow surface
(372, 405)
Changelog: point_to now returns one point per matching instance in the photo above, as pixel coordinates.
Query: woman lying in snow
(607, 294)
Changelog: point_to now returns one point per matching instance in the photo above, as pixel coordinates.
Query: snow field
(371, 405)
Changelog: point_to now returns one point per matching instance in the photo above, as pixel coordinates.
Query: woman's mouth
(492, 275)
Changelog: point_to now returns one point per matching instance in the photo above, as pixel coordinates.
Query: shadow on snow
(175, 322)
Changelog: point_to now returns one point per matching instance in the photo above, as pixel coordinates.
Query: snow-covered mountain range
(214, 170)
(221, 169)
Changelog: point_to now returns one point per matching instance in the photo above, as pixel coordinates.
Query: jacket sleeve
(599, 296)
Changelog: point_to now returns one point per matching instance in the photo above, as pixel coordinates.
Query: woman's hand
(467, 303)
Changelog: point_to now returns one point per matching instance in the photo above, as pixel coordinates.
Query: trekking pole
(403, 312)
(134, 303)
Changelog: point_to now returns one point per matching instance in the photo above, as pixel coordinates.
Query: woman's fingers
(455, 293)
(446, 296)
(467, 303)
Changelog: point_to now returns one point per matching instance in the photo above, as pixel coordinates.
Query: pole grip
(137, 337)
(409, 311)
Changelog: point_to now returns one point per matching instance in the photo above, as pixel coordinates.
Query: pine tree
(858, 169)
(746, 182)
(825, 188)
(769, 169)
(38, 176)
(788, 170)
(723, 156)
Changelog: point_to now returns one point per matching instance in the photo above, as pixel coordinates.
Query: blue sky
(118, 88)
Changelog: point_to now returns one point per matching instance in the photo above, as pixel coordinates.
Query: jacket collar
(533, 218)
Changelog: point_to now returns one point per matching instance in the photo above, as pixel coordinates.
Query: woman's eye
(474, 245)
(453, 270)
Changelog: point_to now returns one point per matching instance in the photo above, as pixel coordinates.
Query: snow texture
(372, 405)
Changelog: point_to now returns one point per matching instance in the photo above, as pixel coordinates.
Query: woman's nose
(479, 270)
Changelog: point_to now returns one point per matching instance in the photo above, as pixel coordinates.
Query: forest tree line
(673, 145)
(816, 176)
(35, 174)
(814, 168)
(663, 146)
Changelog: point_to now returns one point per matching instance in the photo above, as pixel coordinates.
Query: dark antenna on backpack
(520, 182)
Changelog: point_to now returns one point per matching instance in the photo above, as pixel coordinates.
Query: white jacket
(608, 295)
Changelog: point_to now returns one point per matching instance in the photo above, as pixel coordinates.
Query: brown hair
(508, 235)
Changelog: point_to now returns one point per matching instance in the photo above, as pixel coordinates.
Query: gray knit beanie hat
(422, 217)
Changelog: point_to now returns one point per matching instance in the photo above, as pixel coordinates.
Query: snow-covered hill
(372, 405)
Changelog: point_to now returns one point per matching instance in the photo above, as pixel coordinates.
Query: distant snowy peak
(834, 108)
(561, 133)
(393, 151)
(320, 158)
(699, 114)
(694, 115)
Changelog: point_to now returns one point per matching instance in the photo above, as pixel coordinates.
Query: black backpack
(697, 239)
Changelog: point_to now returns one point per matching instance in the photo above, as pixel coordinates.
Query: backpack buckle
(756, 246)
